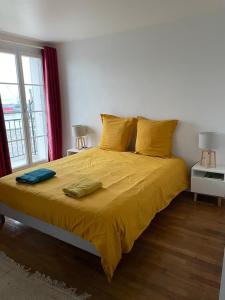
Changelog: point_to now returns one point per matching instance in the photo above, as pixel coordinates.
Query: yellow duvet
(135, 188)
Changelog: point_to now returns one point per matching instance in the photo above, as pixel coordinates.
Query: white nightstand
(208, 181)
(75, 150)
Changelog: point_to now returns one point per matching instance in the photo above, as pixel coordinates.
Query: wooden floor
(178, 257)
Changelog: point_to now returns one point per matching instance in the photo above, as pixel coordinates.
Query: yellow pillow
(155, 138)
(116, 132)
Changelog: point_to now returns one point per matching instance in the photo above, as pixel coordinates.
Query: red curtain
(53, 106)
(5, 163)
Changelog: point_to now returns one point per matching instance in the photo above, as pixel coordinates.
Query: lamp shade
(207, 140)
(79, 130)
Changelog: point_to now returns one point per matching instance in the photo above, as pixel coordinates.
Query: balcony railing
(16, 139)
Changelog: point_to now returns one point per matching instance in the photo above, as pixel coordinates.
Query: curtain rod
(21, 44)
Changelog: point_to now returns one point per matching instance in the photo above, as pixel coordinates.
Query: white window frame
(19, 51)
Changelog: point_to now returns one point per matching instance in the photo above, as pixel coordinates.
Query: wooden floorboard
(179, 256)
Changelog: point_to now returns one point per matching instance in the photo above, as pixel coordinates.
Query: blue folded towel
(35, 176)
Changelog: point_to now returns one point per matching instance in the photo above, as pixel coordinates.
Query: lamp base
(208, 159)
(80, 143)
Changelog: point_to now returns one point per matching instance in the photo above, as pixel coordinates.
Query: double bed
(107, 222)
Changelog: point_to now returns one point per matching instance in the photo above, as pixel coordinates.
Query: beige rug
(17, 283)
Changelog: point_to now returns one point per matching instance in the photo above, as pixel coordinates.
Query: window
(22, 94)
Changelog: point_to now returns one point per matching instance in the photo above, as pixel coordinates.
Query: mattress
(135, 188)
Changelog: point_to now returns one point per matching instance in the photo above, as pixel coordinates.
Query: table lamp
(80, 132)
(207, 144)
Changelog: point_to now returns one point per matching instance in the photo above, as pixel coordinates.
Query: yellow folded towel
(82, 188)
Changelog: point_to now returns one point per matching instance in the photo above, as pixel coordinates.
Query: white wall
(174, 70)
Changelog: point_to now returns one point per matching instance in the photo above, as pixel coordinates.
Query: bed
(107, 222)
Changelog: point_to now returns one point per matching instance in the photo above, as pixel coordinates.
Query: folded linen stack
(36, 176)
(83, 187)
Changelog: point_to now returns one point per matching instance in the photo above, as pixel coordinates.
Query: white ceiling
(64, 20)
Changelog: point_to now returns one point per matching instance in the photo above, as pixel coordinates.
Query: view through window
(22, 94)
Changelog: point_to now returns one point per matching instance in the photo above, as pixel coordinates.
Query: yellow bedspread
(135, 188)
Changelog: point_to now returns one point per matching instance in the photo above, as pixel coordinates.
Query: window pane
(15, 135)
(17, 153)
(10, 98)
(32, 70)
(37, 124)
(8, 68)
(35, 98)
(40, 149)
(14, 127)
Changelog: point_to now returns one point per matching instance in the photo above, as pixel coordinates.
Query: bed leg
(2, 219)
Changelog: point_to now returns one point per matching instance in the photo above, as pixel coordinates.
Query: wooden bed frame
(49, 229)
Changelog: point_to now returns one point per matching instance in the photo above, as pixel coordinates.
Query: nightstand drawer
(208, 186)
